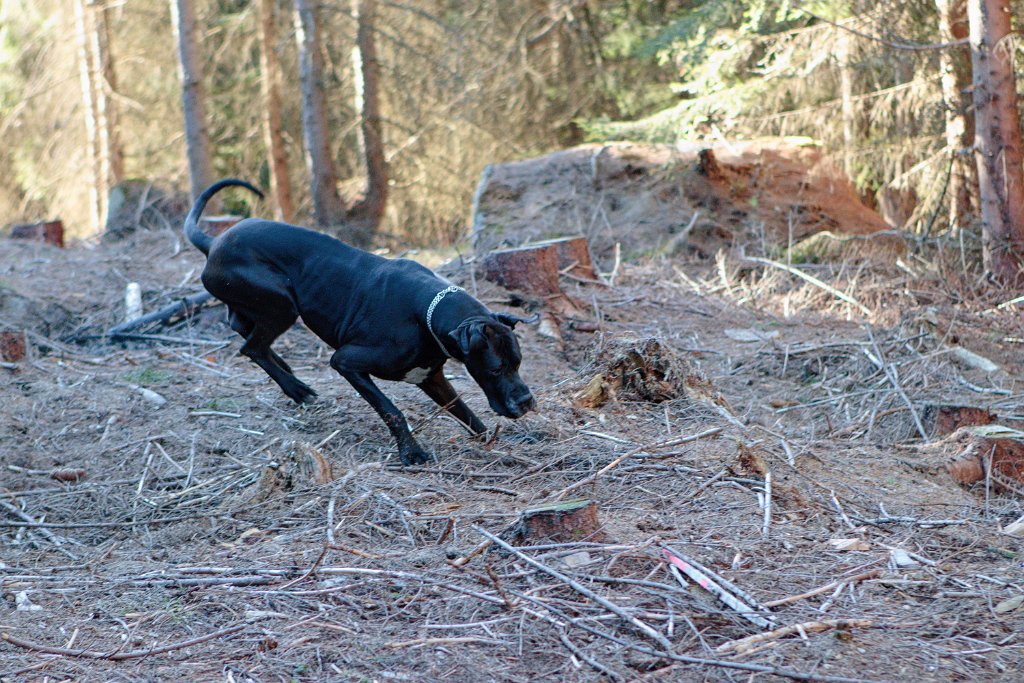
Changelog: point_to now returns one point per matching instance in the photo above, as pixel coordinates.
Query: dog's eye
(494, 372)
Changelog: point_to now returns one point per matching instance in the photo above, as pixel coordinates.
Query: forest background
(463, 83)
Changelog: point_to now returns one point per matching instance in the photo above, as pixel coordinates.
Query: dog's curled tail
(199, 239)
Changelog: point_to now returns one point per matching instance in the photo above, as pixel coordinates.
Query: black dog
(392, 319)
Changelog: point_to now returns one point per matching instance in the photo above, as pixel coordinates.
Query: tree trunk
(846, 97)
(997, 140)
(955, 67)
(86, 71)
(110, 88)
(270, 65)
(193, 97)
(327, 205)
(365, 215)
(105, 81)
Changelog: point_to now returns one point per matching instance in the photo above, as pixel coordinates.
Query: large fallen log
(188, 306)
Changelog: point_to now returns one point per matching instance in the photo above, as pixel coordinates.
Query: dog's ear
(511, 320)
(470, 335)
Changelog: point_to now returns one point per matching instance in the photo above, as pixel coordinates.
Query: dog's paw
(415, 456)
(301, 393)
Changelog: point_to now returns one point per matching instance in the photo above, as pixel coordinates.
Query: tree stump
(50, 232)
(12, 346)
(560, 522)
(993, 453)
(215, 225)
(940, 419)
(299, 466)
(573, 256)
(531, 269)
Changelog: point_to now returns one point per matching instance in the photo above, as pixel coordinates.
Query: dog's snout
(523, 402)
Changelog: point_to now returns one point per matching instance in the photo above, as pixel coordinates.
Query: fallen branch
(730, 594)
(421, 642)
(685, 659)
(581, 589)
(118, 656)
(744, 645)
(823, 589)
(185, 307)
(32, 523)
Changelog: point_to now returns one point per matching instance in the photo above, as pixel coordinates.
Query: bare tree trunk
(270, 65)
(193, 97)
(107, 91)
(846, 97)
(997, 139)
(327, 206)
(365, 216)
(83, 30)
(955, 67)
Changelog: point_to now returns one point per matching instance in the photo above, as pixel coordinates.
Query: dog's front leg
(437, 387)
(409, 451)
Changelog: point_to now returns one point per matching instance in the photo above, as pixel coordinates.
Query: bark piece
(560, 522)
(51, 232)
(991, 452)
(12, 346)
(708, 165)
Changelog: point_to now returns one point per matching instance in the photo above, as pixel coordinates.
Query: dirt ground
(215, 531)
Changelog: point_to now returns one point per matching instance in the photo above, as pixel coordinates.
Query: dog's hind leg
(262, 334)
(437, 387)
(243, 326)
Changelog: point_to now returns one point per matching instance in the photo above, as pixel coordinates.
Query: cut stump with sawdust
(992, 454)
(559, 522)
(644, 370)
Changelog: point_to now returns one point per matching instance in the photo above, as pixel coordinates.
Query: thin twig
(118, 656)
(823, 589)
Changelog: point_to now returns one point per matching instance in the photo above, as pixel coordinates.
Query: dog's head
(490, 352)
